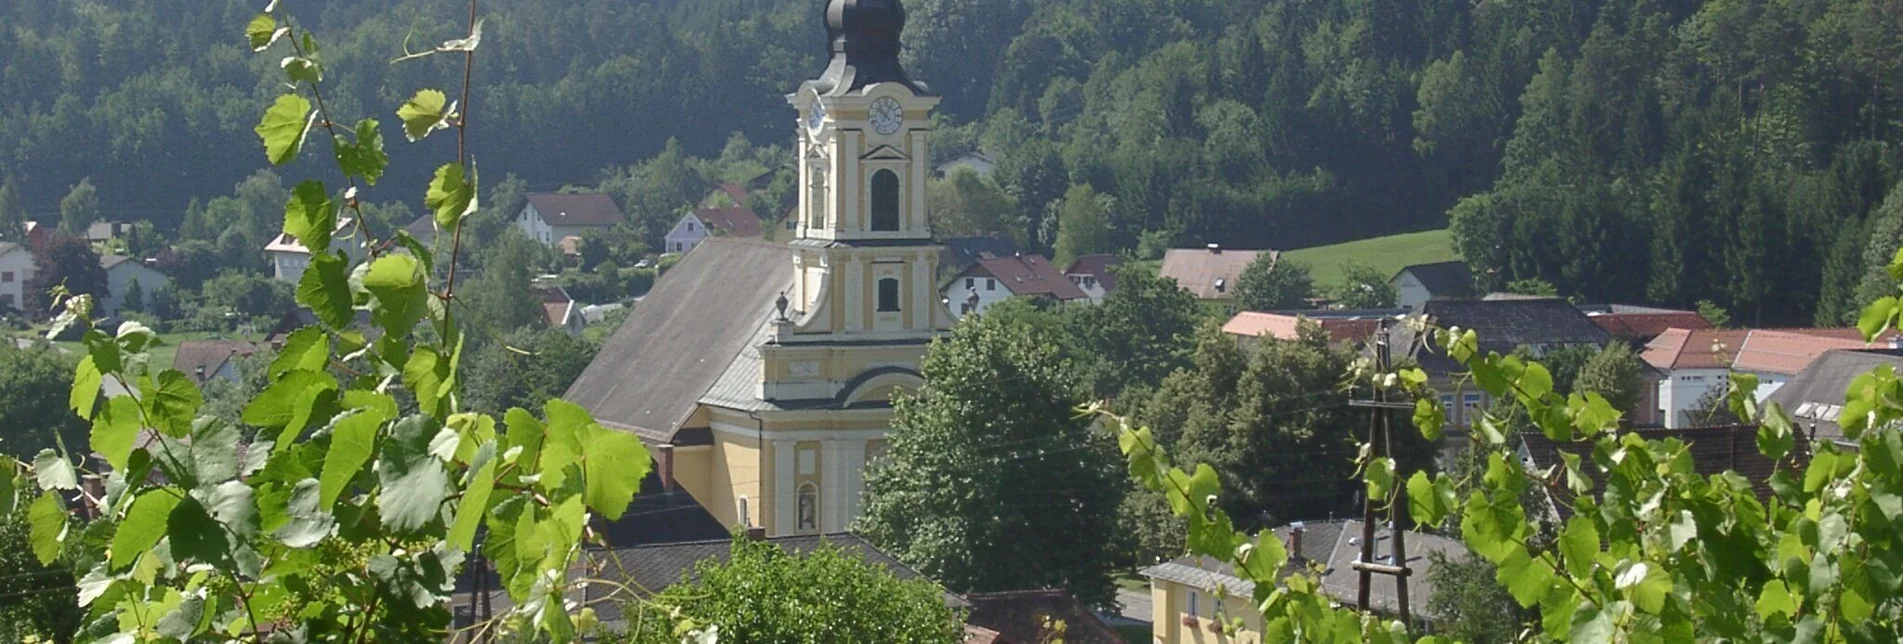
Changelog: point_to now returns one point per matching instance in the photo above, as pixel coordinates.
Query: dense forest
(1667, 151)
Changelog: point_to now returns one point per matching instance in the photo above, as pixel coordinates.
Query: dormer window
(1222, 285)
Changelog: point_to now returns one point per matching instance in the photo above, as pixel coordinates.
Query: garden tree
(1714, 314)
(501, 300)
(1615, 373)
(762, 593)
(654, 193)
(1564, 362)
(991, 481)
(524, 366)
(1363, 287)
(225, 398)
(12, 212)
(1269, 284)
(133, 300)
(41, 602)
(593, 249)
(1532, 286)
(350, 514)
(63, 260)
(1083, 224)
(191, 263)
(248, 295)
(964, 204)
(34, 380)
(1143, 331)
(80, 208)
(1468, 605)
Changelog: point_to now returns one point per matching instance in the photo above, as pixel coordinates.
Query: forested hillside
(1668, 151)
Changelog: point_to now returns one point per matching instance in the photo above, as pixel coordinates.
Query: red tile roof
(200, 360)
(1648, 325)
(1201, 269)
(1028, 275)
(1785, 351)
(556, 304)
(1282, 326)
(739, 221)
(736, 192)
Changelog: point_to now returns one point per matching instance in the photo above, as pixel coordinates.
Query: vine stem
(462, 158)
(330, 127)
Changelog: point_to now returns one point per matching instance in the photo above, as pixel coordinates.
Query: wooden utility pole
(1381, 444)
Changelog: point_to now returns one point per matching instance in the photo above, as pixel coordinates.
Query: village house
(562, 312)
(695, 227)
(962, 252)
(16, 267)
(1192, 596)
(289, 258)
(1537, 326)
(991, 280)
(976, 161)
(1094, 274)
(1344, 327)
(1815, 396)
(1697, 363)
(1640, 324)
(1210, 273)
(121, 273)
(207, 360)
(762, 374)
(550, 217)
(1416, 285)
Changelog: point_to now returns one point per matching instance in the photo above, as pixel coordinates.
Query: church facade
(761, 375)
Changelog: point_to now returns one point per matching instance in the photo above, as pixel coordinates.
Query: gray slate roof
(1334, 546)
(683, 336)
(578, 209)
(1444, 279)
(1815, 396)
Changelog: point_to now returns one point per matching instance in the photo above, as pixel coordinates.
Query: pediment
(885, 153)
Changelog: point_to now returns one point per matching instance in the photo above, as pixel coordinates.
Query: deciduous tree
(1268, 284)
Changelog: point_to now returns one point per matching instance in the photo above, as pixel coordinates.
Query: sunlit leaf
(284, 127)
(47, 521)
(325, 290)
(310, 216)
(143, 525)
(424, 113)
(451, 196)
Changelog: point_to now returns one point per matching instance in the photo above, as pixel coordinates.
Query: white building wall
(13, 291)
(122, 276)
(990, 291)
(689, 232)
(1090, 287)
(531, 223)
(1410, 293)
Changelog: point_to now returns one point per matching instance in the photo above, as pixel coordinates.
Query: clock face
(817, 116)
(887, 115)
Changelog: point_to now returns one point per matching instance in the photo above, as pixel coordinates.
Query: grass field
(1387, 254)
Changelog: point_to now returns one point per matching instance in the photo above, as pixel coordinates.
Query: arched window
(885, 200)
(809, 507)
(888, 295)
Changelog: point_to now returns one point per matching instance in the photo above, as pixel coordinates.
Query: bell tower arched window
(885, 201)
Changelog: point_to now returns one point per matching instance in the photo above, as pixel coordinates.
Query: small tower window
(888, 295)
(809, 508)
(885, 201)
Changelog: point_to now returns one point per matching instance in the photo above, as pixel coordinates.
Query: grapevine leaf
(400, 298)
(215, 450)
(1526, 578)
(1263, 559)
(1578, 545)
(1536, 382)
(232, 505)
(184, 621)
(310, 523)
(54, 471)
(424, 113)
(307, 349)
(428, 376)
(143, 525)
(614, 464)
(413, 481)
(1592, 625)
(284, 127)
(174, 403)
(1430, 418)
(526, 433)
(450, 196)
(1776, 599)
(47, 521)
(262, 31)
(1424, 501)
(1380, 478)
(1877, 317)
(352, 439)
(279, 403)
(364, 158)
(86, 382)
(115, 430)
(325, 289)
(310, 216)
(1190, 494)
(195, 535)
(475, 501)
(301, 70)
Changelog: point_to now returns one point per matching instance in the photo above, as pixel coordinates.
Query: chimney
(665, 466)
(1215, 248)
(1295, 531)
(756, 534)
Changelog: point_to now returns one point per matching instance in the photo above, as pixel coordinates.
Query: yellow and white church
(761, 374)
